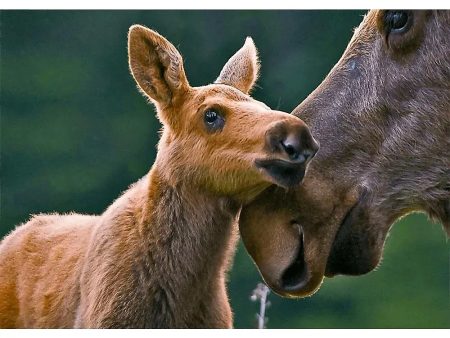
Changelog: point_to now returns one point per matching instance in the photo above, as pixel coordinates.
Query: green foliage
(75, 132)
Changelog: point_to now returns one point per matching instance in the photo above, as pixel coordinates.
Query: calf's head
(217, 137)
(382, 117)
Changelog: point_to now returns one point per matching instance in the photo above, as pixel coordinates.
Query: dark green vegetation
(75, 133)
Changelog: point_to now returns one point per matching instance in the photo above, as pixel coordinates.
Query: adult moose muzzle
(382, 117)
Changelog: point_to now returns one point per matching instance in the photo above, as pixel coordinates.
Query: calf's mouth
(286, 174)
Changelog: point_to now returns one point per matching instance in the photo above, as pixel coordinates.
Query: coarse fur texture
(159, 255)
(382, 117)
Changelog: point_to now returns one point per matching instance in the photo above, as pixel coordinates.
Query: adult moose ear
(241, 70)
(156, 65)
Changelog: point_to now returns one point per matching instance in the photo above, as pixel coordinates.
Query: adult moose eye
(213, 120)
(397, 21)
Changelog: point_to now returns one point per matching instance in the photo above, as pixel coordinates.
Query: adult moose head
(382, 117)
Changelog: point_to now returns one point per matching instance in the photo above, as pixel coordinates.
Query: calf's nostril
(291, 149)
(308, 154)
(296, 151)
(294, 143)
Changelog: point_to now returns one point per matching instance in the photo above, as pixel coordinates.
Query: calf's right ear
(242, 69)
(156, 65)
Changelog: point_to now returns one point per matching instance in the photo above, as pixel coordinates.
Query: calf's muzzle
(290, 147)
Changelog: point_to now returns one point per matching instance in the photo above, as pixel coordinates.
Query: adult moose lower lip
(331, 260)
(296, 275)
(345, 255)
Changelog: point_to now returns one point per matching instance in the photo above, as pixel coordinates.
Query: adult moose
(382, 117)
(158, 256)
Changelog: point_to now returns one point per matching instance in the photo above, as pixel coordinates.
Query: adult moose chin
(382, 117)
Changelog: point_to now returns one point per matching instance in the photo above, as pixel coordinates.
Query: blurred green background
(75, 132)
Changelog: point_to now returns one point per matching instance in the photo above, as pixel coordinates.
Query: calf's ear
(242, 69)
(156, 65)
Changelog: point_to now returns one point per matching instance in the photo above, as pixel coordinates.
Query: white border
(222, 4)
(228, 4)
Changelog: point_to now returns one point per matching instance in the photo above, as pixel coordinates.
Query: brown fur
(382, 117)
(159, 255)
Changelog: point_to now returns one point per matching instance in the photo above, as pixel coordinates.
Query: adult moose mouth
(296, 274)
(310, 260)
(295, 279)
(283, 173)
(356, 249)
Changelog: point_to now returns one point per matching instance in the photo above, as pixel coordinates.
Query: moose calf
(158, 256)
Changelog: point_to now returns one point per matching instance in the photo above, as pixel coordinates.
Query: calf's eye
(214, 121)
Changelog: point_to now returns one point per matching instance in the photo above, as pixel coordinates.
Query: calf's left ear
(156, 65)
(241, 70)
